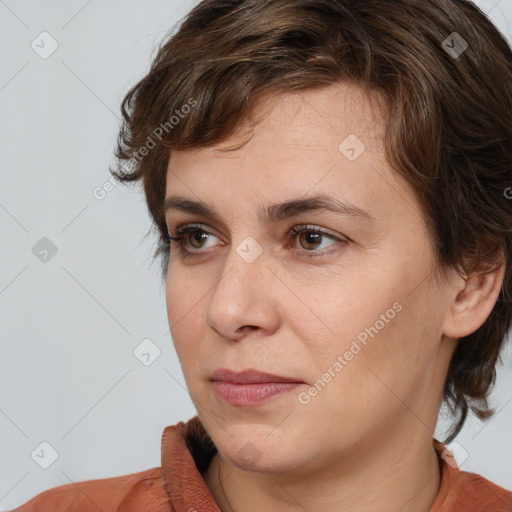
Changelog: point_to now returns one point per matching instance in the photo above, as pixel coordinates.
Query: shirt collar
(187, 450)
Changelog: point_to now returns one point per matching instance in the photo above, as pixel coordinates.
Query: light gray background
(69, 326)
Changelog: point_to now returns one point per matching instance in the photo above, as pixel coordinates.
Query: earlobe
(473, 304)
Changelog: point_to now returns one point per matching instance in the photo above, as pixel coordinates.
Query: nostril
(252, 327)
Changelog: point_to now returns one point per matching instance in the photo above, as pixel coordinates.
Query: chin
(268, 461)
(258, 448)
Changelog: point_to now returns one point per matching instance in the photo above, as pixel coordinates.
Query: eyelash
(184, 229)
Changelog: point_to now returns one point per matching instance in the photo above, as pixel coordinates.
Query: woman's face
(353, 316)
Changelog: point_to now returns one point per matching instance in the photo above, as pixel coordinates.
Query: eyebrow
(275, 212)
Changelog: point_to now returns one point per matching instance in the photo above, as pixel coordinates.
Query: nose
(245, 297)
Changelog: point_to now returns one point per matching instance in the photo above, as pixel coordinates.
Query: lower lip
(251, 394)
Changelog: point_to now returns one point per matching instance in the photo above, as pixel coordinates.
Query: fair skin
(364, 442)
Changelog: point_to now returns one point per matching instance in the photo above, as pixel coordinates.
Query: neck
(400, 474)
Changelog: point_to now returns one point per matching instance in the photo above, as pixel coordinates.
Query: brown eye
(197, 237)
(310, 239)
(189, 239)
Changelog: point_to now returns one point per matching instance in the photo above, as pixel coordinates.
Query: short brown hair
(448, 133)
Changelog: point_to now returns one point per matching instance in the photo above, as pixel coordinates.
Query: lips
(249, 376)
(250, 388)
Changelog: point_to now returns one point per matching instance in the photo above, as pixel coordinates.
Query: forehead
(318, 118)
(329, 140)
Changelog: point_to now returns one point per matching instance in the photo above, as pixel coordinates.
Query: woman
(328, 178)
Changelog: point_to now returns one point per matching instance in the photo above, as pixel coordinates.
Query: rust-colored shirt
(178, 485)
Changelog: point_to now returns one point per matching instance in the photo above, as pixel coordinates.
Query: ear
(474, 298)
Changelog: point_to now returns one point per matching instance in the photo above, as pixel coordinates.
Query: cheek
(376, 326)
(358, 313)
(185, 314)
(185, 294)
(387, 361)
